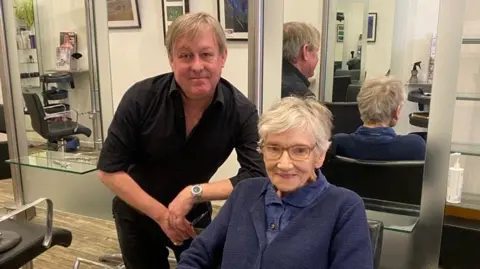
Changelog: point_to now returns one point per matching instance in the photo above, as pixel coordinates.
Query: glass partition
(59, 71)
(462, 210)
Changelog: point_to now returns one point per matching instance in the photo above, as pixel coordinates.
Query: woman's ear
(319, 160)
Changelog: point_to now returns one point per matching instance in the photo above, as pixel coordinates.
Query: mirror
(377, 161)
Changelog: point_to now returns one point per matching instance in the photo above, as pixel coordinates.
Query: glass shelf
(466, 148)
(468, 96)
(469, 200)
(75, 163)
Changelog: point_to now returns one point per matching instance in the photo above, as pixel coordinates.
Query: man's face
(197, 64)
(312, 61)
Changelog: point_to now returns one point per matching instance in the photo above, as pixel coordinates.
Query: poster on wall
(123, 14)
(172, 9)
(372, 27)
(233, 16)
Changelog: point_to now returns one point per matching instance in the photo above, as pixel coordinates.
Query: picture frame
(340, 32)
(123, 14)
(372, 27)
(171, 9)
(233, 16)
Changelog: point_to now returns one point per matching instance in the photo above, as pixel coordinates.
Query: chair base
(8, 240)
(79, 261)
(65, 144)
(117, 258)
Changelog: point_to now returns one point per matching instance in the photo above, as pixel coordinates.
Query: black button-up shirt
(294, 83)
(147, 138)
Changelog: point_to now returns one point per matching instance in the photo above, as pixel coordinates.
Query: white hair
(294, 112)
(295, 36)
(379, 98)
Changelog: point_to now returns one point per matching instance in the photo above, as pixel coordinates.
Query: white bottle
(455, 181)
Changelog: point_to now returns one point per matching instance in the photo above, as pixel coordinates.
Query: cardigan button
(273, 226)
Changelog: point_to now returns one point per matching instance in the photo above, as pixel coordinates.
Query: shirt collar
(218, 97)
(299, 198)
(291, 69)
(376, 131)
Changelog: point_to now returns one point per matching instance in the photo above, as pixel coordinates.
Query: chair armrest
(63, 113)
(47, 240)
(57, 105)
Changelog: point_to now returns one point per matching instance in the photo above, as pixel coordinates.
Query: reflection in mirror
(304, 31)
(349, 45)
(55, 76)
(383, 166)
(301, 42)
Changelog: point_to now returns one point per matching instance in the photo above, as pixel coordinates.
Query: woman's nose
(284, 162)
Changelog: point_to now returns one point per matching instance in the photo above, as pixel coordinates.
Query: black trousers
(142, 241)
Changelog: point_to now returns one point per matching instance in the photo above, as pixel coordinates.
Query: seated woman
(293, 218)
(380, 102)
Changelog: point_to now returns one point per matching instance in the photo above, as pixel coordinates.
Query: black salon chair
(55, 127)
(376, 236)
(352, 92)
(346, 117)
(340, 86)
(354, 74)
(21, 242)
(395, 181)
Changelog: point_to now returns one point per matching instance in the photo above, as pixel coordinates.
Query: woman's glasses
(296, 153)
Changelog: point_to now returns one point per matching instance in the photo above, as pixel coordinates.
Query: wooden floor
(91, 237)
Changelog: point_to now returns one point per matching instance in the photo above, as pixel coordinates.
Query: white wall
(378, 53)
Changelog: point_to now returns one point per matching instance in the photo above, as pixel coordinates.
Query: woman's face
(291, 158)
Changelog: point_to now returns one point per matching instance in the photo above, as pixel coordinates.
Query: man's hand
(178, 210)
(164, 223)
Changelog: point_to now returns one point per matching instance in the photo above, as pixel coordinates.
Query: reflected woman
(293, 218)
(380, 102)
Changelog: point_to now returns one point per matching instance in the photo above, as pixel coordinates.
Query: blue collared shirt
(380, 144)
(280, 211)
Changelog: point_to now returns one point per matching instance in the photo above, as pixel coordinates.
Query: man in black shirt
(301, 42)
(169, 135)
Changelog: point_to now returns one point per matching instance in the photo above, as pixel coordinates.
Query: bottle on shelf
(455, 181)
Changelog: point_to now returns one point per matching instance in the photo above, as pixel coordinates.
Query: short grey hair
(189, 25)
(379, 98)
(295, 36)
(294, 112)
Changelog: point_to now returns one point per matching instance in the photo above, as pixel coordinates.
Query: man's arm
(128, 190)
(117, 155)
(206, 249)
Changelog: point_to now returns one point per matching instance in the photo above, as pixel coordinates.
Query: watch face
(196, 189)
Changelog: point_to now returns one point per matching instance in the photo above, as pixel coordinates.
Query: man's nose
(284, 162)
(197, 64)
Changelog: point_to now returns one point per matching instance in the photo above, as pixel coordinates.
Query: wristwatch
(197, 192)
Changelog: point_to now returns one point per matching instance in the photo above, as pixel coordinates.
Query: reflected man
(301, 42)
